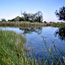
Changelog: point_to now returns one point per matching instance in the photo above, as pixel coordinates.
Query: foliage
(45, 22)
(33, 17)
(61, 13)
(37, 17)
(21, 19)
(10, 48)
(3, 20)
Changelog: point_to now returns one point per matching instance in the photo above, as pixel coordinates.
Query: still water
(43, 41)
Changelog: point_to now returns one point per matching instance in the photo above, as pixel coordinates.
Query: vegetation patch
(11, 48)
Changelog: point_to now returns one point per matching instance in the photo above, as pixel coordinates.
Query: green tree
(21, 19)
(61, 13)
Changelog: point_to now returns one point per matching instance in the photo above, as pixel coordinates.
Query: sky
(11, 8)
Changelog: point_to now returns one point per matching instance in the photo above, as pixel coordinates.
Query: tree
(12, 20)
(39, 16)
(21, 19)
(33, 17)
(45, 22)
(3, 20)
(61, 13)
(26, 16)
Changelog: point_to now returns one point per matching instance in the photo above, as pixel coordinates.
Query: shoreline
(28, 24)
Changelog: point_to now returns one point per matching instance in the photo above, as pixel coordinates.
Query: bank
(28, 24)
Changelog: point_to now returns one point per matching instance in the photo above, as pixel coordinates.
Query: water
(41, 41)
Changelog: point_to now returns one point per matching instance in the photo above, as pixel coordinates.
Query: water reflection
(32, 29)
(61, 33)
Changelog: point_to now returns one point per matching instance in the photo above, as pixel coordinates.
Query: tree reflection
(61, 33)
(32, 29)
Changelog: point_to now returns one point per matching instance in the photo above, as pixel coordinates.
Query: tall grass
(28, 24)
(22, 24)
(13, 51)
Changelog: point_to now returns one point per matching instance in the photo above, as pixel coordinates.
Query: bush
(21, 19)
(45, 22)
(3, 20)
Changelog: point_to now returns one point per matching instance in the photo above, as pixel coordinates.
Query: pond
(42, 42)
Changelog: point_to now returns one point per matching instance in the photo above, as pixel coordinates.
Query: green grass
(11, 48)
(13, 51)
(60, 25)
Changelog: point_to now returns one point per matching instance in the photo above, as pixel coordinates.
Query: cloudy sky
(12, 8)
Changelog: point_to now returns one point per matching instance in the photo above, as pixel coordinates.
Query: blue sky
(12, 8)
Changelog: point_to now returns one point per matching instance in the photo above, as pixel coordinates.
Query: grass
(22, 24)
(13, 51)
(60, 25)
(10, 47)
(28, 24)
